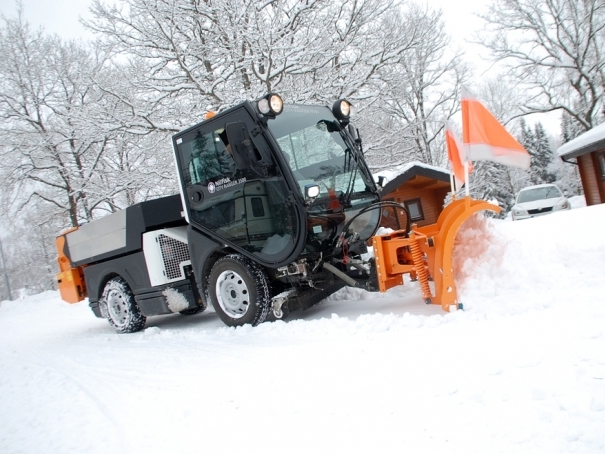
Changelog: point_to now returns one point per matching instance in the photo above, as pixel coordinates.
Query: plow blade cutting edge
(425, 253)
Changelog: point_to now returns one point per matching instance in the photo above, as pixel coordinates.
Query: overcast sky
(61, 16)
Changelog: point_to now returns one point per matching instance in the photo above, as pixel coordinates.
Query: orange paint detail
(334, 204)
(484, 138)
(454, 154)
(70, 280)
(426, 253)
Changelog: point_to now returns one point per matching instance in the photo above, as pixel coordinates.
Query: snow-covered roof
(398, 175)
(392, 174)
(585, 143)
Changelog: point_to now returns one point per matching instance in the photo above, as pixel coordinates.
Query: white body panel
(166, 254)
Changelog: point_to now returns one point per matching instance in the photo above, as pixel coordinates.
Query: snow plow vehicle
(276, 209)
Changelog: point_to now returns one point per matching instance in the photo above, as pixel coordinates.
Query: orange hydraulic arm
(426, 252)
(70, 280)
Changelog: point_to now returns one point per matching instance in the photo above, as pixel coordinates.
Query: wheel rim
(232, 294)
(117, 308)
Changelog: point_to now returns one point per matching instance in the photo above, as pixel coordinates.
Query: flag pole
(452, 183)
(466, 184)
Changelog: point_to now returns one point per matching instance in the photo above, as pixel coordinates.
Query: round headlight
(345, 108)
(271, 105)
(276, 103)
(342, 109)
(263, 106)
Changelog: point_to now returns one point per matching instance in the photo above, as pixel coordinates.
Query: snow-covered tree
(537, 144)
(553, 48)
(528, 139)
(542, 157)
(570, 127)
(197, 55)
(49, 150)
(568, 175)
(418, 93)
(491, 181)
(63, 144)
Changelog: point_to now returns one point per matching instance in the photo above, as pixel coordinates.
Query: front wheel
(239, 291)
(122, 311)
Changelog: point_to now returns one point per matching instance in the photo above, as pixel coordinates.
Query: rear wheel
(239, 291)
(122, 311)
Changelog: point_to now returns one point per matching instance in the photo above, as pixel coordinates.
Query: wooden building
(421, 187)
(587, 151)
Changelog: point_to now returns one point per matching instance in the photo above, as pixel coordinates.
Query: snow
(176, 300)
(392, 173)
(588, 138)
(520, 370)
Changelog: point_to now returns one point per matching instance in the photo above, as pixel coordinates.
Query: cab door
(249, 209)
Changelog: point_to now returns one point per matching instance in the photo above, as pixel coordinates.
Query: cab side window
(248, 207)
(210, 158)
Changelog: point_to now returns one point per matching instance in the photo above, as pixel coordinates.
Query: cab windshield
(320, 153)
(315, 147)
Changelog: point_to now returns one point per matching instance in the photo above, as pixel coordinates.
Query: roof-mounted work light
(270, 105)
(342, 110)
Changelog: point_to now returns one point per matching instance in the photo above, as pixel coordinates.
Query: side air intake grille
(174, 252)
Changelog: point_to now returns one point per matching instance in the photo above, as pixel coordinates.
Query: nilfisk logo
(224, 183)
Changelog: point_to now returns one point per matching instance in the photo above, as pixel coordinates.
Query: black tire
(122, 311)
(239, 291)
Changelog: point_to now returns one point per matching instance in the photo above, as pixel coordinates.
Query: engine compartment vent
(174, 252)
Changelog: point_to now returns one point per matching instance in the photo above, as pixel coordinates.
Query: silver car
(538, 200)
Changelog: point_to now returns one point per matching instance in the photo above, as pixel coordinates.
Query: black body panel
(153, 302)
(131, 267)
(140, 218)
(201, 247)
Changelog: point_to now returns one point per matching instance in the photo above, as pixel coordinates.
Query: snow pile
(176, 300)
(521, 370)
(519, 266)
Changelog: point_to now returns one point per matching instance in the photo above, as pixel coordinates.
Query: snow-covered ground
(521, 370)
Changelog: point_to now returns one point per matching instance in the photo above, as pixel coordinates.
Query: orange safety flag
(485, 139)
(454, 154)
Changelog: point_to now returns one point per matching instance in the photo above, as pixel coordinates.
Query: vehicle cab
(274, 181)
(277, 198)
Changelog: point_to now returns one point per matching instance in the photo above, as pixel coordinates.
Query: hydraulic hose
(375, 206)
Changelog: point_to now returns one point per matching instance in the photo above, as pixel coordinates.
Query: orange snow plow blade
(70, 280)
(426, 253)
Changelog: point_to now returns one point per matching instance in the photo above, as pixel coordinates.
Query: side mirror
(241, 144)
(330, 126)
